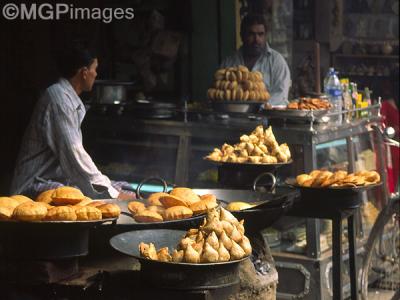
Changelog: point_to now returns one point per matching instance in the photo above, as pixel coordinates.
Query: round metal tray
(337, 197)
(298, 113)
(175, 275)
(46, 240)
(237, 106)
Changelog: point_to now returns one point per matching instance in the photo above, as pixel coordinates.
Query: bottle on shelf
(333, 90)
(347, 101)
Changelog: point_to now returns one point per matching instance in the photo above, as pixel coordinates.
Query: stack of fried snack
(260, 147)
(309, 104)
(320, 178)
(220, 238)
(238, 84)
(61, 204)
(179, 203)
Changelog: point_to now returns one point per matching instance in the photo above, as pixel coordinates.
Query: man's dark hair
(250, 20)
(73, 57)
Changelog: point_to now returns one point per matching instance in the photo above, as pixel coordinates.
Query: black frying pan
(170, 274)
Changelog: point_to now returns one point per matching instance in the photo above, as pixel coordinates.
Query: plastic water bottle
(333, 90)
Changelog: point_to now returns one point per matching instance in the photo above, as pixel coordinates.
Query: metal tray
(237, 106)
(348, 189)
(128, 243)
(45, 223)
(294, 113)
(336, 197)
(46, 240)
(126, 219)
(247, 164)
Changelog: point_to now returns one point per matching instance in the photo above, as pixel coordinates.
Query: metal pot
(111, 92)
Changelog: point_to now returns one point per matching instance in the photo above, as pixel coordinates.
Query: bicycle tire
(376, 235)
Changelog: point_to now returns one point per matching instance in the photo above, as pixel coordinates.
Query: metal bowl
(237, 107)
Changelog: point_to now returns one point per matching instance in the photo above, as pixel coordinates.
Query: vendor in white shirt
(256, 55)
(52, 153)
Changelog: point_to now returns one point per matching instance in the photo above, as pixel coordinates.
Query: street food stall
(247, 179)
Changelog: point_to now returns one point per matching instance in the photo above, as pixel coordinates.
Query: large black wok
(270, 206)
(175, 275)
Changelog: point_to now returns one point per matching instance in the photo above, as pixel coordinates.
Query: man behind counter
(52, 153)
(256, 55)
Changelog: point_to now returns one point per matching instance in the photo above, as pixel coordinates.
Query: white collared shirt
(52, 146)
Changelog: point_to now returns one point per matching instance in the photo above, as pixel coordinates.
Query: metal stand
(337, 216)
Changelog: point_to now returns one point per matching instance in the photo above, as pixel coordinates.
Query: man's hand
(125, 195)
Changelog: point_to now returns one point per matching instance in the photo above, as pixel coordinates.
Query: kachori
(30, 211)
(61, 213)
(109, 210)
(67, 195)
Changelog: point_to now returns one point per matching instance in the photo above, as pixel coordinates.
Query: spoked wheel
(381, 267)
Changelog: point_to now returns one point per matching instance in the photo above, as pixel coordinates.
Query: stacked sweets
(238, 84)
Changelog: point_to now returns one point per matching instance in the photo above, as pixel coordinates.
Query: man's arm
(65, 140)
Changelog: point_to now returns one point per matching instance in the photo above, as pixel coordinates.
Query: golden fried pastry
(191, 255)
(88, 213)
(209, 254)
(171, 200)
(223, 238)
(300, 179)
(236, 251)
(321, 177)
(96, 203)
(9, 202)
(45, 196)
(157, 208)
(109, 210)
(61, 213)
(154, 199)
(21, 198)
(245, 245)
(67, 195)
(135, 206)
(372, 176)
(336, 177)
(85, 201)
(163, 254)
(30, 211)
(235, 206)
(208, 197)
(186, 195)
(223, 253)
(315, 173)
(148, 216)
(177, 255)
(177, 213)
(148, 251)
(202, 206)
(227, 216)
(7, 206)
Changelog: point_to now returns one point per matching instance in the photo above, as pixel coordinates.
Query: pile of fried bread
(260, 147)
(238, 84)
(179, 203)
(309, 104)
(320, 178)
(61, 204)
(221, 238)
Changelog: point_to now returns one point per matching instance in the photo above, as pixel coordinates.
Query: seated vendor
(257, 55)
(52, 153)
